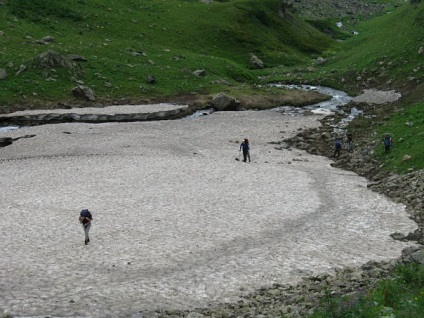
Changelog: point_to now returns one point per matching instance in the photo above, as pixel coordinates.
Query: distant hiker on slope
(387, 140)
(349, 142)
(246, 149)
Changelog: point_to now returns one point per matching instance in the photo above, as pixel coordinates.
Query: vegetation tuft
(402, 297)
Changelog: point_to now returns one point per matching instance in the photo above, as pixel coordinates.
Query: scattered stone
(200, 73)
(150, 79)
(320, 60)
(398, 236)
(75, 57)
(418, 256)
(21, 69)
(421, 50)
(84, 92)
(48, 39)
(255, 62)
(3, 74)
(406, 158)
(2, 33)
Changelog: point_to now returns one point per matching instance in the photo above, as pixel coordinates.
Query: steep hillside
(118, 44)
(384, 52)
(352, 10)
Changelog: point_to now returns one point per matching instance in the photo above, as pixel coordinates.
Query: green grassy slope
(384, 53)
(124, 41)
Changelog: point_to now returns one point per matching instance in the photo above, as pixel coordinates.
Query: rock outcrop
(84, 92)
(222, 102)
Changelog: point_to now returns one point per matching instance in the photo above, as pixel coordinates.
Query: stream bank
(304, 298)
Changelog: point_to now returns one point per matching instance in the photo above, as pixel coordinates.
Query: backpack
(387, 141)
(84, 214)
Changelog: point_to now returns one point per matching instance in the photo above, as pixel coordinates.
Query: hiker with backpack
(337, 148)
(387, 141)
(85, 219)
(349, 142)
(246, 149)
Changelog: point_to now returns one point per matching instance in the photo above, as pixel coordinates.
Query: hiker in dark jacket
(337, 148)
(246, 149)
(387, 140)
(85, 219)
(349, 142)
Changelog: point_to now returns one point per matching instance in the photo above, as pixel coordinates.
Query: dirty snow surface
(178, 221)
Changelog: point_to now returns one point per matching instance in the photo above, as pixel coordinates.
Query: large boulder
(223, 102)
(51, 60)
(256, 62)
(84, 92)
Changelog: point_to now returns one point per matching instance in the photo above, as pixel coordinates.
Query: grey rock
(418, 256)
(200, 73)
(3, 74)
(48, 39)
(21, 69)
(51, 59)
(84, 92)
(75, 57)
(150, 79)
(320, 60)
(256, 62)
(222, 102)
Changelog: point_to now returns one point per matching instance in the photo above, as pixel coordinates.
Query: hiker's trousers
(86, 230)
(246, 155)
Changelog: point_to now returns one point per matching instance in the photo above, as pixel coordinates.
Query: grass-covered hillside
(378, 44)
(125, 41)
(385, 51)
